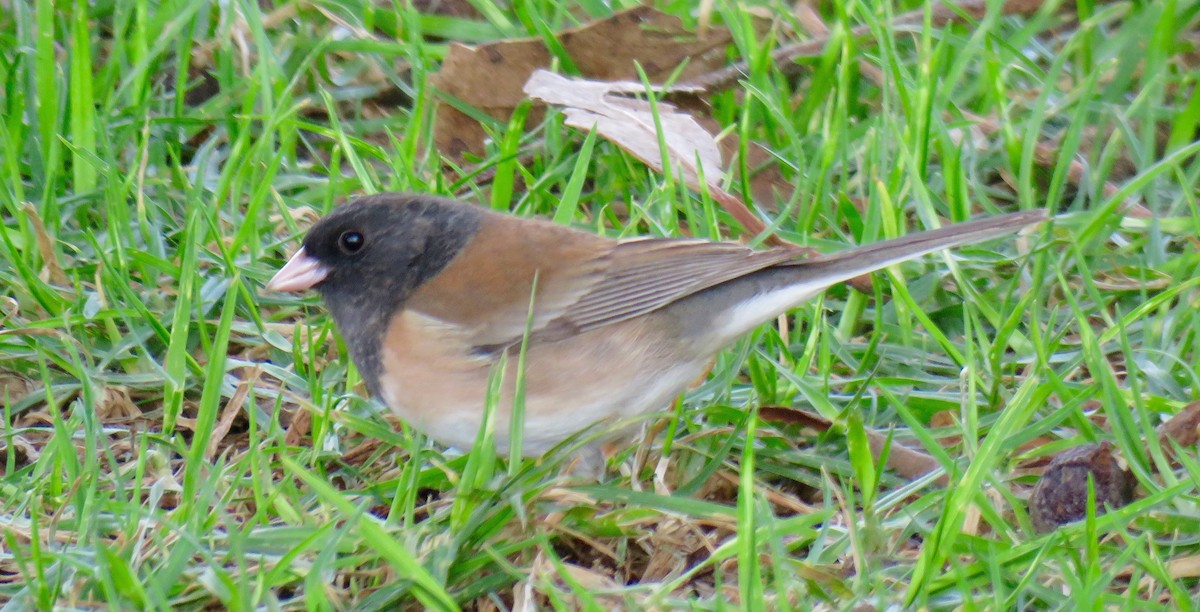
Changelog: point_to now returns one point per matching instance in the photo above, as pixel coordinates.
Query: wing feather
(648, 274)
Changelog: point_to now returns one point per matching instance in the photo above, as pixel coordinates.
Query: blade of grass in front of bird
(507, 157)
(568, 203)
(210, 394)
(427, 589)
(175, 363)
(516, 423)
(404, 500)
(668, 503)
(750, 578)
(481, 459)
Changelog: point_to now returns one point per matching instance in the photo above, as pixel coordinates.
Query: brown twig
(811, 20)
(906, 462)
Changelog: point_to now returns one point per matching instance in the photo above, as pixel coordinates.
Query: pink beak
(300, 273)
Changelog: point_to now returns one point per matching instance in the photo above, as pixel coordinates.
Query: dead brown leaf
(1037, 459)
(1183, 428)
(490, 77)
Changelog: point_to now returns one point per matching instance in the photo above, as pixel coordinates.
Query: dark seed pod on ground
(1061, 496)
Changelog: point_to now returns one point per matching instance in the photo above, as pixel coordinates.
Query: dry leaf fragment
(1184, 567)
(299, 428)
(115, 404)
(231, 412)
(52, 271)
(13, 386)
(633, 125)
(1177, 569)
(25, 451)
(630, 123)
(545, 576)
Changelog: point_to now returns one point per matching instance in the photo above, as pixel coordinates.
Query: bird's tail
(845, 265)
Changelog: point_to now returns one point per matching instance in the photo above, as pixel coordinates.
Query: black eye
(351, 242)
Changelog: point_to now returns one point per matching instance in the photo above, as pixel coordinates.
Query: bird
(431, 293)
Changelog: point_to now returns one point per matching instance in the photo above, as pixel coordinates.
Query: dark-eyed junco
(429, 293)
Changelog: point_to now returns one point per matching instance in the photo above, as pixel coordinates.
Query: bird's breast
(434, 379)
